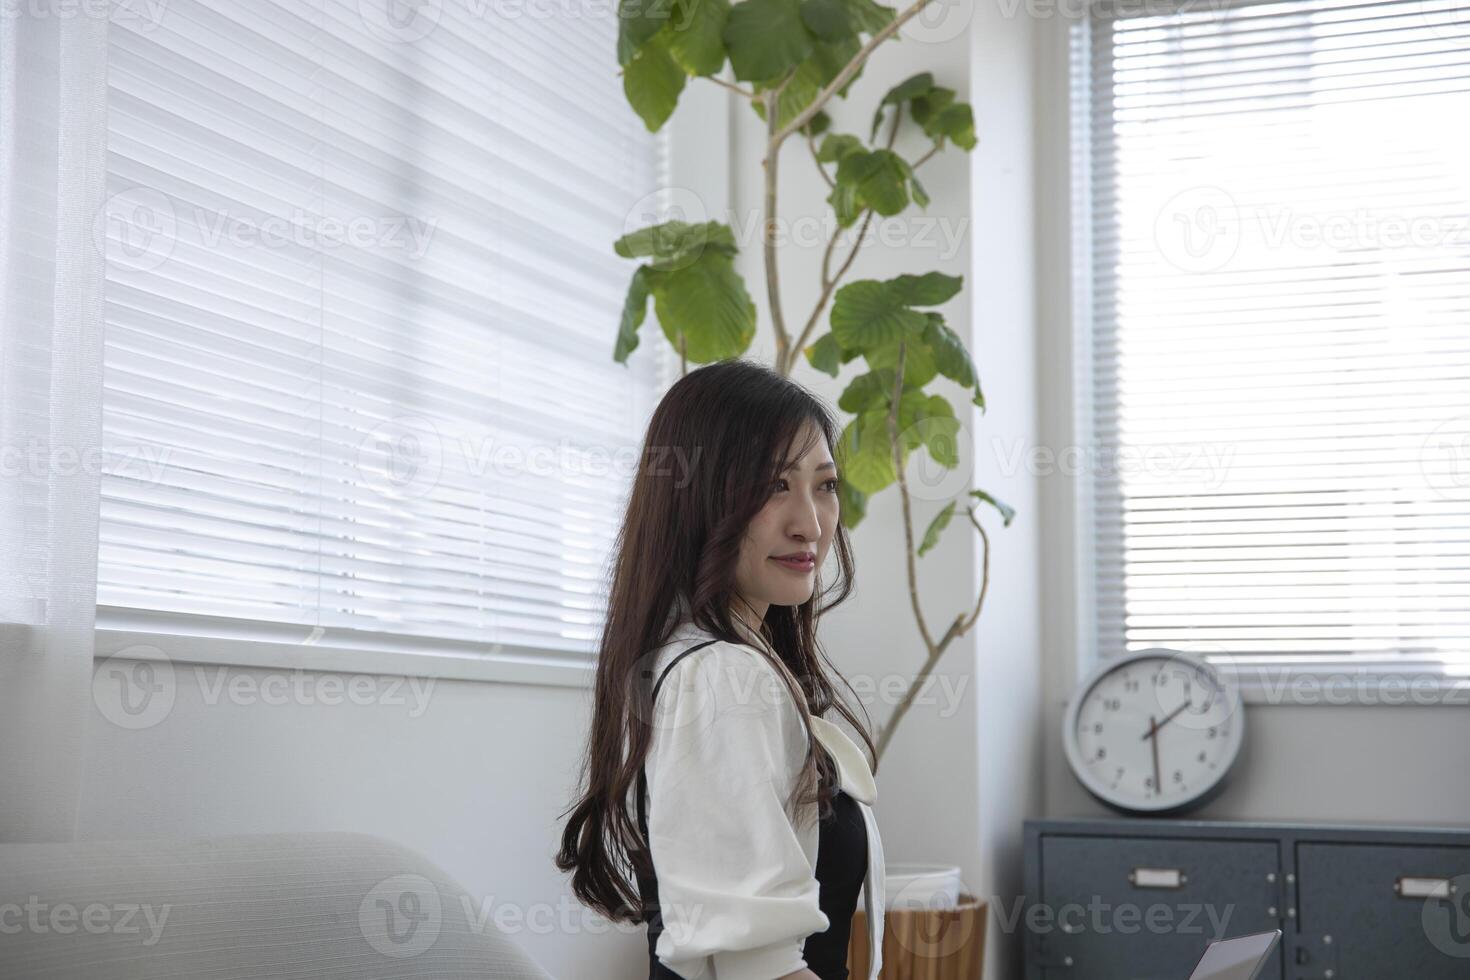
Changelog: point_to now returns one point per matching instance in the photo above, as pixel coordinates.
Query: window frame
(1064, 346)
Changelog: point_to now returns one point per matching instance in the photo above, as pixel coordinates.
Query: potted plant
(789, 59)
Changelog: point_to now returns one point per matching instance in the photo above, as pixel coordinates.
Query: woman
(707, 737)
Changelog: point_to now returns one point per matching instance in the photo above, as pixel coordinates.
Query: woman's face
(800, 518)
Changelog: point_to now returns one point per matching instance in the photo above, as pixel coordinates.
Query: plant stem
(829, 285)
(747, 93)
(961, 624)
(812, 145)
(773, 283)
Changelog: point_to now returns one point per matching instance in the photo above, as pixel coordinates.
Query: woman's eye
(831, 485)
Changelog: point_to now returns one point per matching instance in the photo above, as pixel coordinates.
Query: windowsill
(205, 640)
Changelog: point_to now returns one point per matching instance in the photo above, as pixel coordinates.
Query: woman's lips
(796, 566)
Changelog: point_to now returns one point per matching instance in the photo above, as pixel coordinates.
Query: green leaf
(694, 37)
(869, 16)
(766, 39)
(852, 504)
(930, 289)
(638, 22)
(818, 124)
(955, 122)
(1006, 511)
(825, 355)
(838, 145)
(866, 459)
(906, 90)
(880, 179)
(936, 527)
(829, 20)
(830, 57)
(844, 201)
(951, 357)
(868, 314)
(909, 88)
(929, 421)
(676, 243)
(918, 362)
(652, 82)
(706, 302)
(916, 190)
(867, 391)
(635, 308)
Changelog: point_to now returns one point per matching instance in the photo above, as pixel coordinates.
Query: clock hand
(1153, 729)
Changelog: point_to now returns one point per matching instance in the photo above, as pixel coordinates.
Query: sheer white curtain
(53, 129)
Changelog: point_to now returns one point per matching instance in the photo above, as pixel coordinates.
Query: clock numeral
(1112, 704)
(1214, 732)
(1097, 728)
(1178, 776)
(1202, 757)
(1148, 782)
(1102, 753)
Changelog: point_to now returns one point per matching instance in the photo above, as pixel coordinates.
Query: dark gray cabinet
(1121, 899)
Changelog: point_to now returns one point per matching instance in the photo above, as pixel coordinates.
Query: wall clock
(1153, 732)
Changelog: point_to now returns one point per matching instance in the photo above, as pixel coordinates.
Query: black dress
(842, 867)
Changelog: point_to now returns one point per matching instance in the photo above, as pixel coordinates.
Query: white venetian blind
(1277, 219)
(360, 318)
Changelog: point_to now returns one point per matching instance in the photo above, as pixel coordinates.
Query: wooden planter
(924, 944)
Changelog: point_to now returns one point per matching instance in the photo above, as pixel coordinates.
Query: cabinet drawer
(1370, 899)
(1125, 908)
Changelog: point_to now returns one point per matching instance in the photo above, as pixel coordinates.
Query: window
(1275, 217)
(361, 307)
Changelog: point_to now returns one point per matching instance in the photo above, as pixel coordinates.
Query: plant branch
(848, 70)
(829, 284)
(773, 283)
(920, 162)
(812, 145)
(745, 92)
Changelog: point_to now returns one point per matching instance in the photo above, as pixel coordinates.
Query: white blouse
(736, 875)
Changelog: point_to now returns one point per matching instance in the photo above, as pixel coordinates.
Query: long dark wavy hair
(711, 458)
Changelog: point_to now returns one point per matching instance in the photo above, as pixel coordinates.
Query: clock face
(1153, 731)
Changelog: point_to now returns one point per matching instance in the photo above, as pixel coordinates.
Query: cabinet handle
(1411, 886)
(1157, 878)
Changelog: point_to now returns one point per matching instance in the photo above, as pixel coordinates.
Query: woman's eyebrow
(829, 465)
